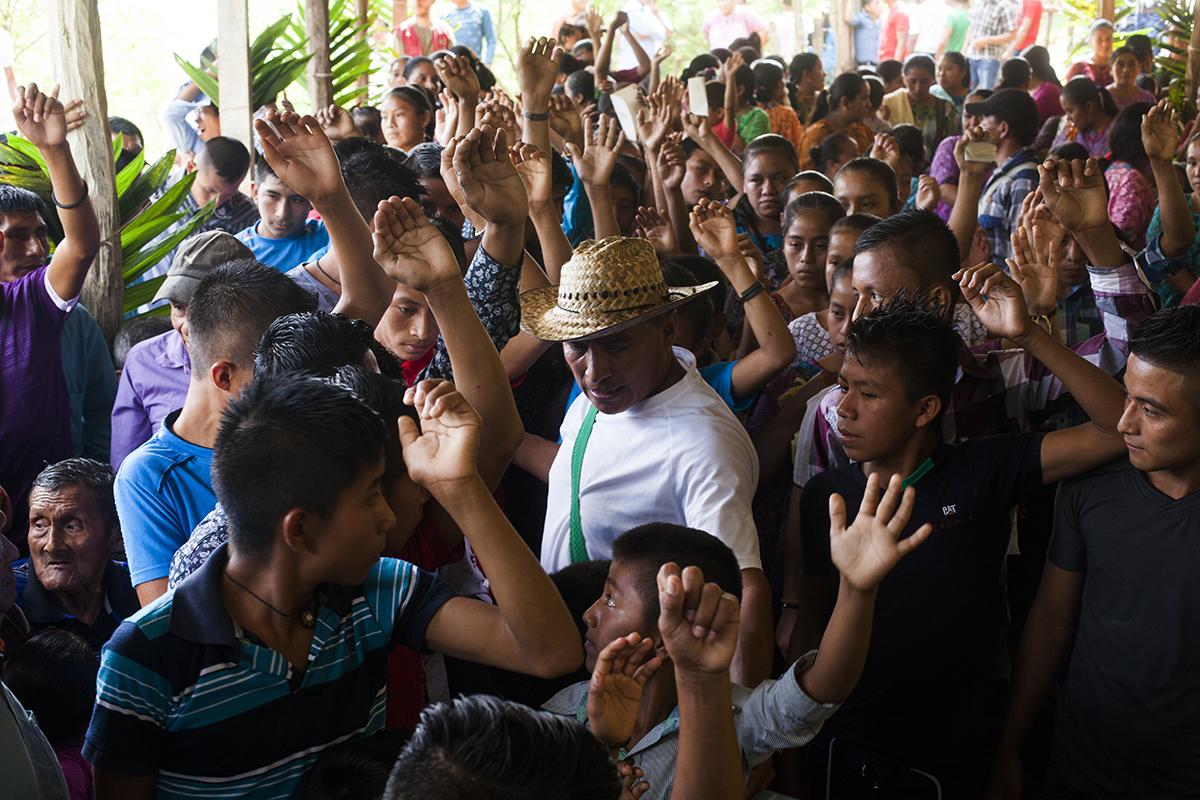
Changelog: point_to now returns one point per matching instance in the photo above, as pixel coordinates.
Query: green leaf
(158, 311)
(137, 236)
(141, 293)
(29, 150)
(144, 260)
(147, 184)
(130, 172)
(11, 156)
(117, 145)
(204, 81)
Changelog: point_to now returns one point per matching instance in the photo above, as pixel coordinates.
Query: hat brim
(177, 288)
(543, 319)
(979, 109)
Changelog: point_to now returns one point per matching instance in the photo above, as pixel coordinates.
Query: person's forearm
(604, 56)
(532, 610)
(189, 93)
(655, 176)
(536, 455)
(1044, 645)
(655, 76)
(1099, 394)
(366, 288)
(639, 53)
(1178, 230)
(556, 248)
(730, 164)
(964, 217)
(843, 650)
(766, 323)
(536, 132)
(708, 765)
(467, 107)
(677, 213)
(755, 649)
(81, 231)
(604, 214)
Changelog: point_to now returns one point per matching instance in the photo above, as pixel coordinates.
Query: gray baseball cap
(196, 257)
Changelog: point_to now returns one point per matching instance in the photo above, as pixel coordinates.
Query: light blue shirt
(473, 27)
(283, 254)
(163, 489)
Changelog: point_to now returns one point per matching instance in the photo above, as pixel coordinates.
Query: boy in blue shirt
(283, 237)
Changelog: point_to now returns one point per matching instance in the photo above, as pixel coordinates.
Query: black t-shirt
(939, 614)
(1129, 713)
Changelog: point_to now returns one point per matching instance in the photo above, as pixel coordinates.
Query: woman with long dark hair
(1044, 85)
(1088, 112)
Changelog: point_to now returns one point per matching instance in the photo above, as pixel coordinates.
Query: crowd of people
(622, 434)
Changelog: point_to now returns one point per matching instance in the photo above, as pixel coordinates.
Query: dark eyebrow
(1149, 401)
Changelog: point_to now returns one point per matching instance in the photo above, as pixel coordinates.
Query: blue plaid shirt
(473, 27)
(1000, 203)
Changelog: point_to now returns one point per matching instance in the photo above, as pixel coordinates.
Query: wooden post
(362, 9)
(399, 14)
(320, 75)
(1107, 9)
(79, 67)
(843, 36)
(233, 52)
(1193, 58)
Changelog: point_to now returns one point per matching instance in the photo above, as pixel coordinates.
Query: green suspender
(579, 551)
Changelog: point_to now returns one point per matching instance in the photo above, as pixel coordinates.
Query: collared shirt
(119, 603)
(284, 254)
(187, 695)
(163, 490)
(721, 30)
(1000, 203)
(473, 27)
(1002, 391)
(91, 384)
(777, 715)
(866, 37)
(409, 35)
(988, 19)
(153, 383)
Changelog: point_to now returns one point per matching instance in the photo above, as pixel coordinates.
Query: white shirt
(928, 22)
(646, 27)
(680, 456)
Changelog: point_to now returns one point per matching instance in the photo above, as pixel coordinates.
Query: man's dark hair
(1141, 45)
(54, 676)
(486, 748)
(580, 584)
(354, 770)
(569, 64)
(138, 329)
(912, 338)
(368, 122)
(229, 158)
(880, 171)
(888, 70)
(124, 126)
(289, 442)
(426, 160)
(647, 547)
(92, 476)
(373, 174)
(262, 170)
(582, 83)
(1125, 136)
(1170, 339)
(15, 200)
(319, 342)
(819, 201)
(128, 132)
(233, 305)
(917, 241)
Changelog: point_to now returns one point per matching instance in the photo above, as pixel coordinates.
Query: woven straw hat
(606, 287)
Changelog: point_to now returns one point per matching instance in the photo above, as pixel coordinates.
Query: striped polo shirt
(187, 695)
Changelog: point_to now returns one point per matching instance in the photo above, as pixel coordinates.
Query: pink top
(1140, 96)
(76, 771)
(722, 29)
(1045, 97)
(1131, 202)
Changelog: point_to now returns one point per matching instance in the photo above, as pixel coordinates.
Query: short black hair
(568, 64)
(368, 122)
(880, 171)
(319, 342)
(228, 157)
(647, 547)
(54, 676)
(426, 160)
(911, 142)
(889, 69)
(138, 329)
(262, 170)
(1125, 136)
(1170, 339)
(373, 173)
(918, 241)
(354, 770)
(14, 199)
(93, 476)
(811, 176)
(233, 305)
(1015, 73)
(491, 749)
(413, 63)
(913, 338)
(1141, 45)
(582, 83)
(819, 201)
(128, 131)
(292, 441)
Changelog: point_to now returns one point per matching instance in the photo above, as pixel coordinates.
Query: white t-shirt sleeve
(64, 305)
(716, 490)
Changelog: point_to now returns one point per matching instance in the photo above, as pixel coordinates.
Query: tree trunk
(1107, 10)
(233, 45)
(320, 75)
(79, 66)
(362, 9)
(843, 36)
(1193, 61)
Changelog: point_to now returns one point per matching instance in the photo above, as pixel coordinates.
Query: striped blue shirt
(187, 695)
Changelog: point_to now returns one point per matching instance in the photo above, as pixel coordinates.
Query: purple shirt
(153, 384)
(35, 418)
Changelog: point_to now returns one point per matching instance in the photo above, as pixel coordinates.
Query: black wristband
(537, 116)
(76, 204)
(752, 291)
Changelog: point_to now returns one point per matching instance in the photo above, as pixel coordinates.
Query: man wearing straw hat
(648, 440)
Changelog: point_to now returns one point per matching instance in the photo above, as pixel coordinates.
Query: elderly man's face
(623, 369)
(69, 539)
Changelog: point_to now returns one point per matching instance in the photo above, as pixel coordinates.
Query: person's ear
(942, 297)
(190, 167)
(297, 530)
(928, 409)
(670, 326)
(254, 191)
(221, 373)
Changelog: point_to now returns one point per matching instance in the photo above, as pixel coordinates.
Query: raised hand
(672, 163)
(697, 621)
(596, 162)
(996, 299)
(41, 118)
(565, 120)
(446, 118)
(731, 65)
(490, 183)
(1160, 132)
(537, 71)
(633, 781)
(459, 76)
(867, 551)
(1074, 193)
(75, 114)
(616, 688)
(1035, 263)
(751, 253)
(976, 168)
(698, 129)
(886, 149)
(300, 154)
(534, 168)
(653, 123)
(928, 193)
(662, 54)
(337, 123)
(714, 230)
(409, 248)
(594, 24)
(444, 451)
(651, 225)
